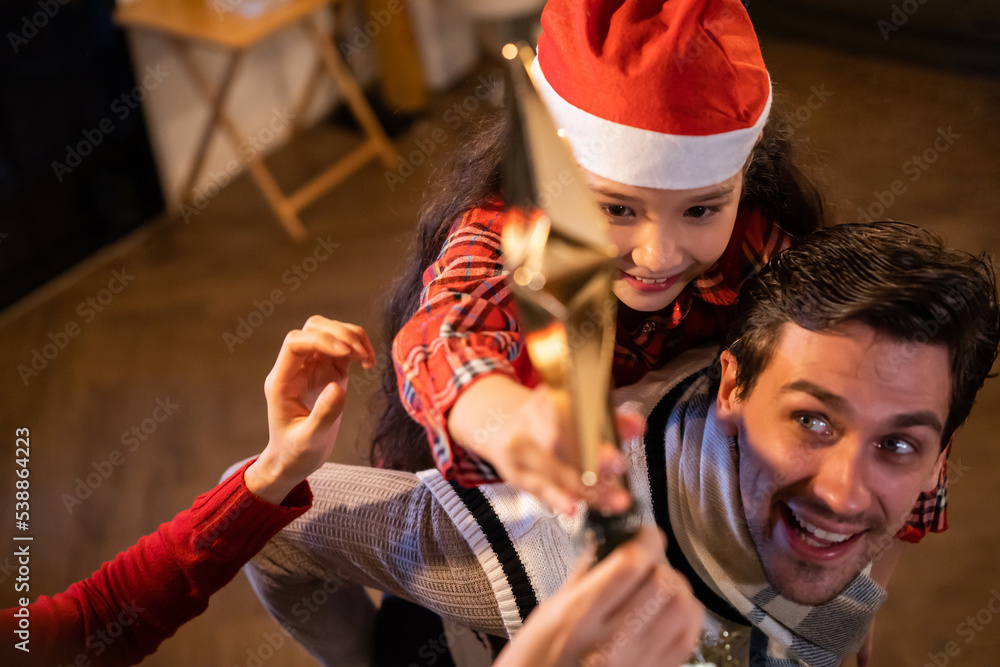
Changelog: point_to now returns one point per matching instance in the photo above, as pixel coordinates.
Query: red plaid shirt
(468, 326)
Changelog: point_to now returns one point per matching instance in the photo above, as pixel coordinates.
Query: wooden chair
(186, 22)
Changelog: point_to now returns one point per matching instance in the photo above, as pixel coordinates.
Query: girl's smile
(666, 238)
(651, 285)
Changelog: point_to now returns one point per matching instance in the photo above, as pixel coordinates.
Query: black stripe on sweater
(656, 463)
(517, 577)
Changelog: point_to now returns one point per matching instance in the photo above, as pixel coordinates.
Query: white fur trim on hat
(645, 158)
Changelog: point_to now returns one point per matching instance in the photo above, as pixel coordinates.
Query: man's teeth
(834, 538)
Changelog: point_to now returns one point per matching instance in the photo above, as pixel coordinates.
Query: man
(779, 470)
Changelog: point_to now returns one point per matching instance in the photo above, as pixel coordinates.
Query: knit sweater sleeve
(373, 527)
(466, 327)
(128, 607)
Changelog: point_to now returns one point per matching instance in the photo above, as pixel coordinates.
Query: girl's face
(665, 238)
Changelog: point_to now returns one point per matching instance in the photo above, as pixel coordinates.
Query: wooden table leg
(218, 99)
(281, 206)
(352, 92)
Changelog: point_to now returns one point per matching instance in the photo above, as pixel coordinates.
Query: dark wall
(960, 34)
(76, 169)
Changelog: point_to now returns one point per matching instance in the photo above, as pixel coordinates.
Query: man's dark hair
(894, 277)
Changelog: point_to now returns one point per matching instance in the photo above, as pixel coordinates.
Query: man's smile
(812, 542)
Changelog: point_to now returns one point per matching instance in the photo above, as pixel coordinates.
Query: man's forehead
(853, 357)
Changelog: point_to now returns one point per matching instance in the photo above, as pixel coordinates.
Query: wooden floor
(162, 339)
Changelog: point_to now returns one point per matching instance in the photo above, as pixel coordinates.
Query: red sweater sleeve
(467, 326)
(134, 602)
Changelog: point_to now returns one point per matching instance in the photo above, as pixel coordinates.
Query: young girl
(666, 106)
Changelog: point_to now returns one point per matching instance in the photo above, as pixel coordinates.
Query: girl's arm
(466, 328)
(464, 377)
(521, 432)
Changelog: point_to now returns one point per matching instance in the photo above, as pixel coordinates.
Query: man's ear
(728, 409)
(942, 459)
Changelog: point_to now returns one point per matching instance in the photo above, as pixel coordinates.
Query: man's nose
(656, 249)
(840, 481)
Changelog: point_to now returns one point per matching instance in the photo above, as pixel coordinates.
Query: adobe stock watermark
(206, 541)
(30, 25)
(956, 301)
(915, 167)
(131, 440)
(901, 13)
(294, 276)
(362, 35)
(122, 107)
(248, 149)
(968, 630)
(101, 640)
(87, 310)
(455, 116)
(265, 650)
(818, 96)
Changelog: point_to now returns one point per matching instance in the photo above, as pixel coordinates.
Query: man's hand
(305, 394)
(629, 610)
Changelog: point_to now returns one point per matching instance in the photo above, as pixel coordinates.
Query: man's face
(836, 441)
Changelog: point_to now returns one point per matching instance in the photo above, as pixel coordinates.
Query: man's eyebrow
(838, 403)
(918, 418)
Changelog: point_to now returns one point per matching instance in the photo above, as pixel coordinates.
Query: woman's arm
(134, 602)
(128, 607)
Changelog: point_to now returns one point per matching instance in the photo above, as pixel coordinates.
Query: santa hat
(655, 93)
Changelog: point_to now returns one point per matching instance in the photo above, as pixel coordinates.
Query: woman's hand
(629, 610)
(521, 432)
(305, 393)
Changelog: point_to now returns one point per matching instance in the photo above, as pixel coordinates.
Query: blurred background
(130, 280)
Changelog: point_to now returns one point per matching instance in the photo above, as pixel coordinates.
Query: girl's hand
(520, 431)
(305, 394)
(629, 610)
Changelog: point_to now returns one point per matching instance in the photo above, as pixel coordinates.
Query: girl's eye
(698, 212)
(813, 424)
(896, 446)
(617, 210)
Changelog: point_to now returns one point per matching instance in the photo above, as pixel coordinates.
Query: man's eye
(617, 210)
(896, 446)
(813, 424)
